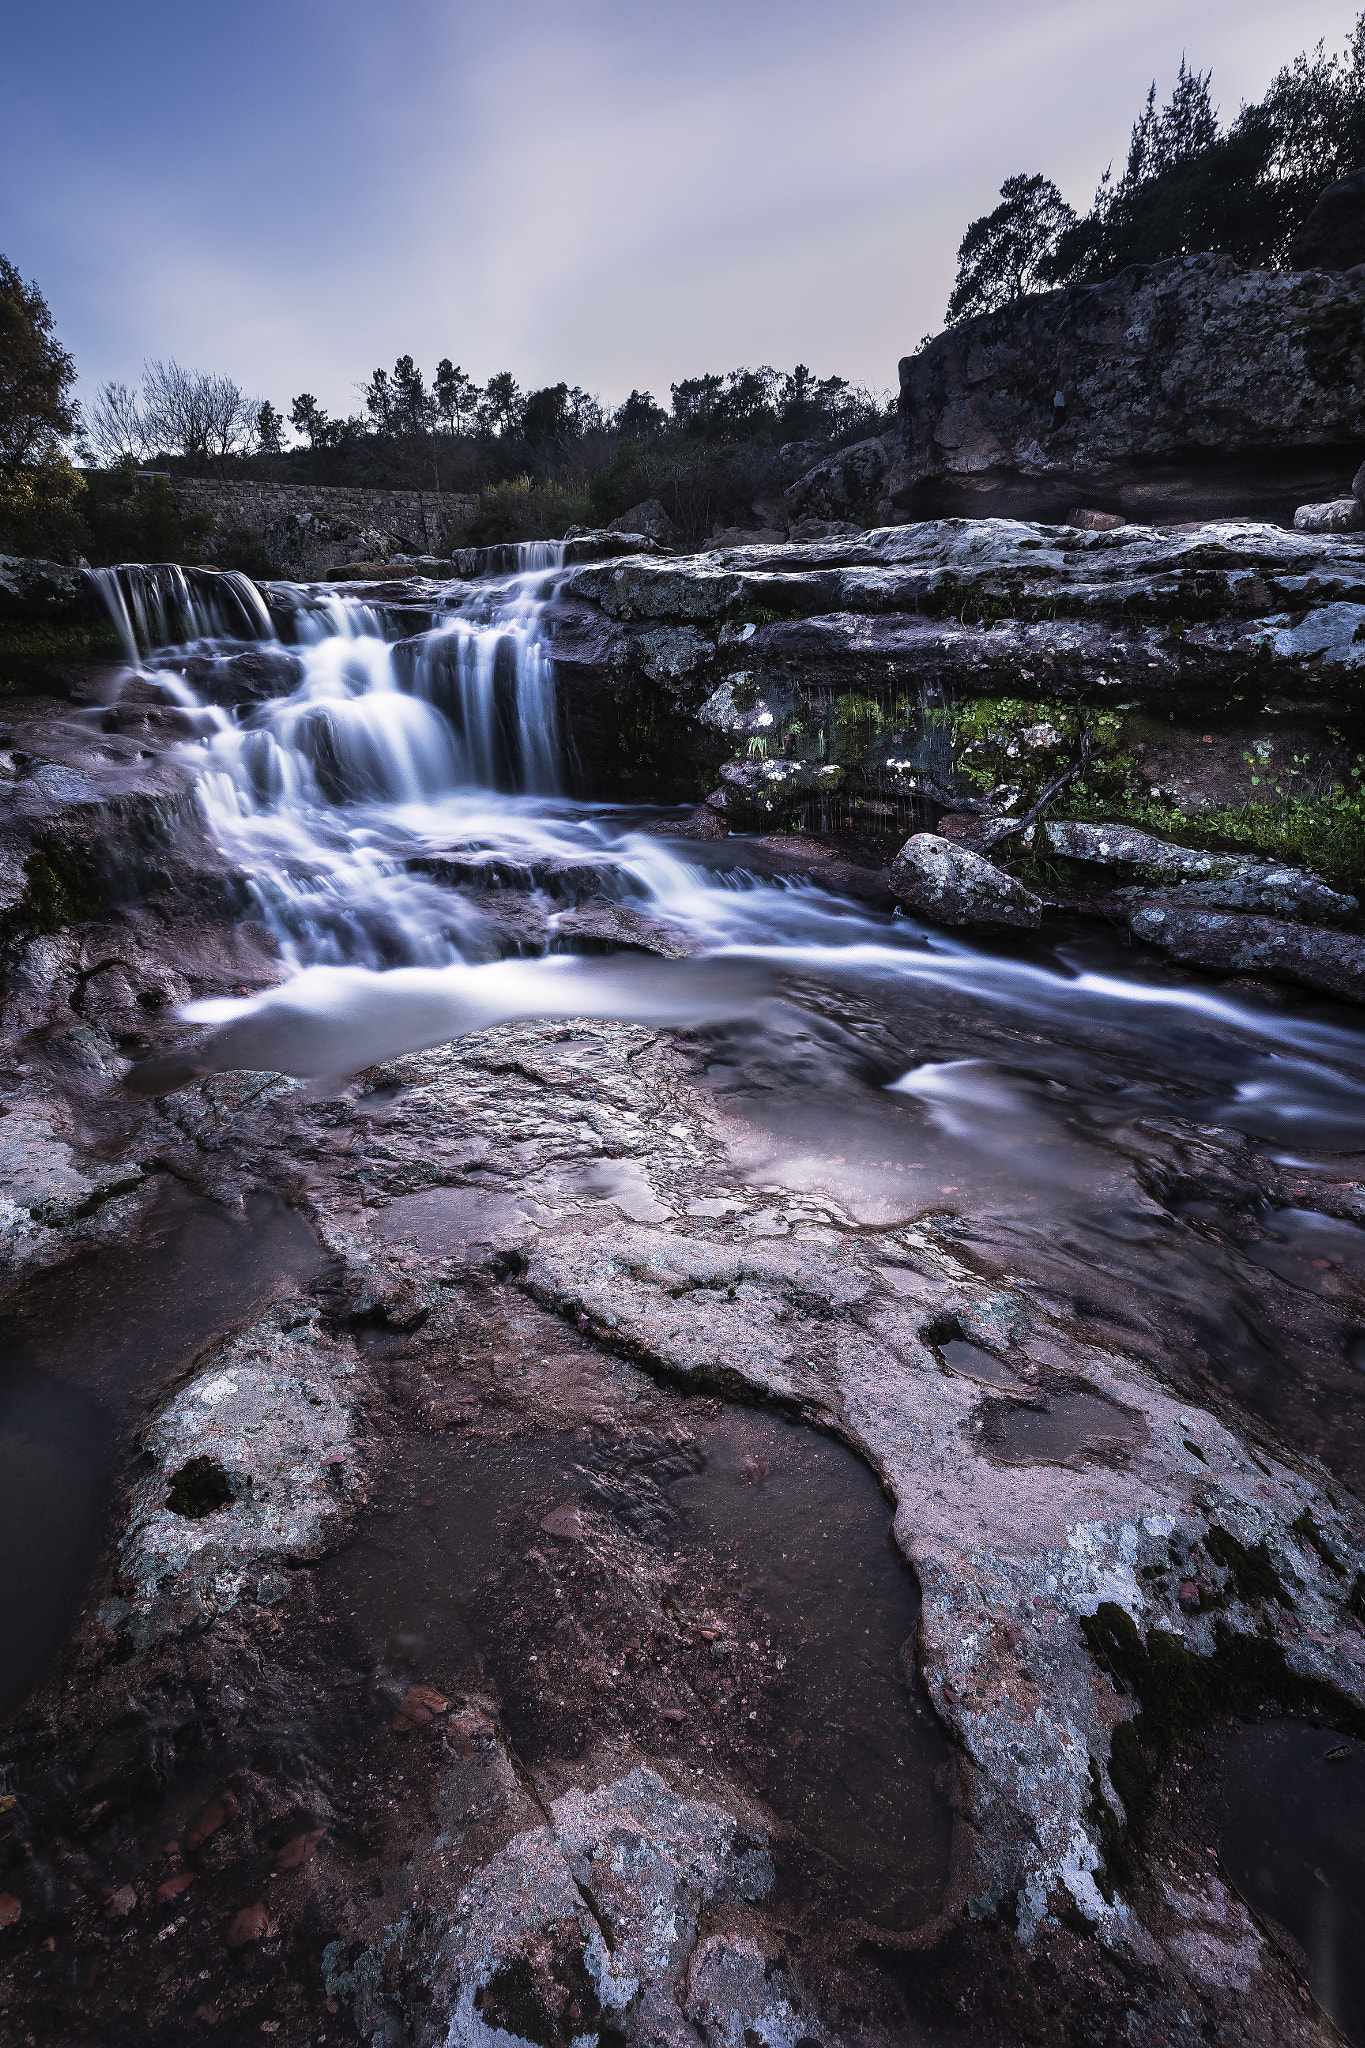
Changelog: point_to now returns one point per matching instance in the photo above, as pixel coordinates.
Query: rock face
(953, 885)
(1190, 388)
(1225, 881)
(1333, 236)
(1338, 515)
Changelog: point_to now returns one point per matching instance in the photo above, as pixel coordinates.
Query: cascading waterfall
(165, 605)
(390, 782)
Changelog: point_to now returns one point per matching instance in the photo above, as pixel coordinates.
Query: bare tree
(204, 418)
(114, 425)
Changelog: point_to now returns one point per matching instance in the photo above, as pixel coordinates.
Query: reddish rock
(223, 1809)
(420, 1705)
(251, 1924)
(298, 1849)
(120, 1903)
(565, 1522)
(1188, 1596)
(172, 1887)
(10, 1909)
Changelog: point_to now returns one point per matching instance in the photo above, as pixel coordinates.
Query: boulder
(49, 591)
(1332, 962)
(1333, 236)
(845, 485)
(1186, 389)
(1338, 515)
(952, 885)
(648, 518)
(1085, 520)
(1223, 881)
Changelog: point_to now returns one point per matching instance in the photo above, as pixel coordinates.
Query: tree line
(1187, 185)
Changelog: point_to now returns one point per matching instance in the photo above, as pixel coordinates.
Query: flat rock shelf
(608, 1434)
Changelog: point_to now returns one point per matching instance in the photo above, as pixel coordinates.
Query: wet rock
(1333, 236)
(120, 1902)
(418, 1708)
(1338, 515)
(1333, 962)
(216, 1815)
(171, 1887)
(10, 1909)
(266, 1408)
(952, 885)
(251, 1924)
(1195, 353)
(592, 1918)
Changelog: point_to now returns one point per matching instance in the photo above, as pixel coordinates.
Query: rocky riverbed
(597, 1529)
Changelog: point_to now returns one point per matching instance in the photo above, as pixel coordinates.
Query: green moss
(1177, 1690)
(31, 653)
(1255, 1576)
(61, 889)
(1029, 743)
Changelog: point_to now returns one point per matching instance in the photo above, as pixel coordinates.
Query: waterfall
(164, 605)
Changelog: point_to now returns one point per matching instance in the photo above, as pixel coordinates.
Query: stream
(1115, 1134)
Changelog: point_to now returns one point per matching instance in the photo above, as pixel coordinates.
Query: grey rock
(1333, 236)
(845, 483)
(632, 1856)
(1088, 521)
(1332, 962)
(1338, 515)
(269, 1408)
(32, 589)
(1190, 387)
(1229, 881)
(952, 885)
(648, 518)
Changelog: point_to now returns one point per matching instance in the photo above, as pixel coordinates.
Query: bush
(523, 510)
(41, 511)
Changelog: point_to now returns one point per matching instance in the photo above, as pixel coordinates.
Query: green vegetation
(61, 888)
(32, 654)
(522, 509)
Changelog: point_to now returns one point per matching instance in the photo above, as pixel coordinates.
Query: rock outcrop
(1333, 236)
(1186, 389)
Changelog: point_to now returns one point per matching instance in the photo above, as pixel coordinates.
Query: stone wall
(1181, 390)
(311, 527)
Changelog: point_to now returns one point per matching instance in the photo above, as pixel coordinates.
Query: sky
(618, 195)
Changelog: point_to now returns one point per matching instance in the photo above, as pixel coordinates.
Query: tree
(639, 419)
(205, 418)
(500, 408)
(36, 375)
(412, 406)
(546, 416)
(269, 429)
(457, 395)
(306, 416)
(1005, 254)
(379, 401)
(114, 427)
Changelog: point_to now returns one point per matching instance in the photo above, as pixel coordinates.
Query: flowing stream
(386, 794)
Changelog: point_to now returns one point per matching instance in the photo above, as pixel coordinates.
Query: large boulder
(848, 485)
(1179, 390)
(1332, 962)
(1333, 236)
(648, 518)
(952, 885)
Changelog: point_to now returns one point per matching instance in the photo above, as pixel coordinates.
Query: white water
(447, 747)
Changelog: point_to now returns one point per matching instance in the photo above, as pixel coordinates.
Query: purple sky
(613, 194)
